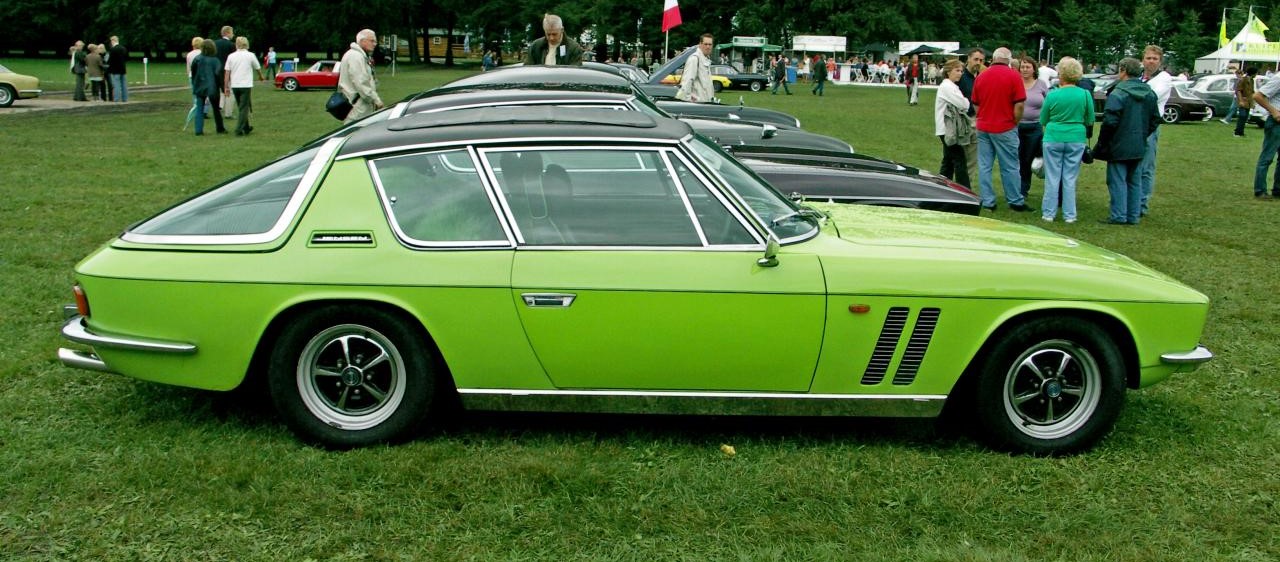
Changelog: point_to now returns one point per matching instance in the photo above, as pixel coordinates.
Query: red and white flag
(670, 15)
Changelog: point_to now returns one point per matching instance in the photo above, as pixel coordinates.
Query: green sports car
(590, 260)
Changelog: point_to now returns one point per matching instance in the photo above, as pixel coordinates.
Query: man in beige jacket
(355, 77)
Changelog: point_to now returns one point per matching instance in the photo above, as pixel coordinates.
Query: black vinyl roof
(538, 122)
(514, 96)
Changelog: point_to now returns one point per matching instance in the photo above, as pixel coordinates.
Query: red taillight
(82, 302)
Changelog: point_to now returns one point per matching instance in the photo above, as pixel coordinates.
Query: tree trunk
(448, 41)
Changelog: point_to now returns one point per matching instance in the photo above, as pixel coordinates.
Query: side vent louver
(916, 346)
(894, 323)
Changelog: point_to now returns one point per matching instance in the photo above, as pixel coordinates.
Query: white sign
(819, 43)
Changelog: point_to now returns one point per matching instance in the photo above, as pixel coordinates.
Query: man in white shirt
(1046, 73)
(241, 66)
(1161, 83)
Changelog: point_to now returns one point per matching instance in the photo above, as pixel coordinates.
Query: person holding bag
(953, 125)
(1067, 117)
(355, 77)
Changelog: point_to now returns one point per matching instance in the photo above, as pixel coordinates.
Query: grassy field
(100, 467)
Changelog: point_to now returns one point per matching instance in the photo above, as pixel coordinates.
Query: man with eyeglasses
(695, 80)
(554, 48)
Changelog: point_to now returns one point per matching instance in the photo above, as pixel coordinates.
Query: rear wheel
(7, 95)
(347, 376)
(716, 86)
(291, 84)
(757, 85)
(1171, 114)
(1050, 386)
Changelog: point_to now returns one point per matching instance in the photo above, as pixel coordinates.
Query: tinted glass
(249, 204)
(437, 197)
(718, 224)
(780, 214)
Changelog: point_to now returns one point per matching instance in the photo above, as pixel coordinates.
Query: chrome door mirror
(768, 131)
(770, 258)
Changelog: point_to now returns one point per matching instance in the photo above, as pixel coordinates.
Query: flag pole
(666, 48)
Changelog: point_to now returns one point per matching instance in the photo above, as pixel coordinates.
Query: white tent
(1249, 45)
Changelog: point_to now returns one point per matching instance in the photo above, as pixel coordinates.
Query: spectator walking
(554, 48)
(355, 76)
(911, 77)
(1030, 133)
(1268, 96)
(1067, 117)
(1000, 97)
(78, 70)
(196, 44)
(241, 66)
(1132, 115)
(95, 68)
(819, 75)
(1235, 103)
(695, 79)
(272, 59)
(117, 69)
(1161, 83)
(953, 124)
(225, 45)
(1244, 99)
(780, 75)
(205, 72)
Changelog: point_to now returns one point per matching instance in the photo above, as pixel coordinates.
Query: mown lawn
(100, 467)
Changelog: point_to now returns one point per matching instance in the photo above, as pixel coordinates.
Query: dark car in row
(1183, 104)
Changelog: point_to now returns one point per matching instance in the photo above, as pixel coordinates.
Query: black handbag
(338, 106)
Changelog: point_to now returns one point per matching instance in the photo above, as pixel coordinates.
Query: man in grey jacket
(355, 77)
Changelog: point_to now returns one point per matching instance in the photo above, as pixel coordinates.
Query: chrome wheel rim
(1170, 115)
(1052, 389)
(291, 84)
(6, 96)
(351, 377)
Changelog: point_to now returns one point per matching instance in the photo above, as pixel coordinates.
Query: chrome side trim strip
(83, 360)
(76, 331)
(702, 403)
(1200, 354)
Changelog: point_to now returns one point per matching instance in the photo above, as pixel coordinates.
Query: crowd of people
(103, 67)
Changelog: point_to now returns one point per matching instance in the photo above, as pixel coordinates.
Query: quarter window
(437, 198)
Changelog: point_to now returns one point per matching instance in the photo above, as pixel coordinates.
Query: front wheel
(757, 85)
(346, 376)
(1171, 114)
(291, 84)
(1050, 386)
(7, 95)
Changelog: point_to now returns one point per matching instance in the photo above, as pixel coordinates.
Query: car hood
(982, 257)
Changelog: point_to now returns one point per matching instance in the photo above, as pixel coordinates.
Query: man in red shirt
(999, 95)
(912, 77)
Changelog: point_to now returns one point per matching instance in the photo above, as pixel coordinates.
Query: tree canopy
(1093, 30)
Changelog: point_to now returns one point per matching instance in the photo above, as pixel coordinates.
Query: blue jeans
(1123, 182)
(1270, 145)
(817, 88)
(217, 115)
(1147, 173)
(120, 87)
(1002, 146)
(1061, 169)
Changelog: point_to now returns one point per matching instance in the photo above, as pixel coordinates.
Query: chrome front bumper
(1190, 359)
(76, 331)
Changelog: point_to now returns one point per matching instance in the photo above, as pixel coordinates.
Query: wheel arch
(260, 361)
(1115, 328)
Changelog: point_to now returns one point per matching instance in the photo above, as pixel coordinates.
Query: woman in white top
(952, 123)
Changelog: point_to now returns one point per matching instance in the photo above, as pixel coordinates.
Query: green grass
(100, 467)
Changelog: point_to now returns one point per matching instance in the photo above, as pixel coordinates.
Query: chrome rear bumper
(1193, 358)
(76, 331)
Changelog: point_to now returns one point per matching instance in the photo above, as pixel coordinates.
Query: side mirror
(768, 131)
(770, 258)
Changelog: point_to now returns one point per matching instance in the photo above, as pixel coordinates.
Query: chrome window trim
(505, 140)
(717, 192)
(309, 178)
(764, 225)
(834, 198)
(684, 198)
(578, 103)
(398, 111)
(412, 242)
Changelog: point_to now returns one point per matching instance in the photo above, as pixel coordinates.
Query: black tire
(7, 95)
(1171, 114)
(1050, 386)
(326, 357)
(291, 84)
(757, 85)
(716, 86)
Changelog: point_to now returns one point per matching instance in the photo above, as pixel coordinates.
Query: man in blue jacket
(1131, 115)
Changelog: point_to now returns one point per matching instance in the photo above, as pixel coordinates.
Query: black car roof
(508, 96)
(540, 122)
(533, 76)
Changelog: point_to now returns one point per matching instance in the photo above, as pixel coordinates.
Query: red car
(322, 74)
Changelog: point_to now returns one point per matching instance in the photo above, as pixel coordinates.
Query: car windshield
(3, 69)
(784, 218)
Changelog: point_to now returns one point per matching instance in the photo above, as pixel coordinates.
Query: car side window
(594, 197)
(719, 225)
(437, 197)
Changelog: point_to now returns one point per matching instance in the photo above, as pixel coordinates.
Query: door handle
(548, 300)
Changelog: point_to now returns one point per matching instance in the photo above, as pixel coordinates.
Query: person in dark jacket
(780, 75)
(1131, 115)
(554, 47)
(117, 58)
(819, 75)
(206, 84)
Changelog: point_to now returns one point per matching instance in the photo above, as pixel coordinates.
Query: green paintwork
(660, 319)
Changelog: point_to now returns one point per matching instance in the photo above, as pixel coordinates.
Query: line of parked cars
(553, 239)
(1200, 99)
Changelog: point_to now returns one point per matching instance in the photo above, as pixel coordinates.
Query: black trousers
(954, 165)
